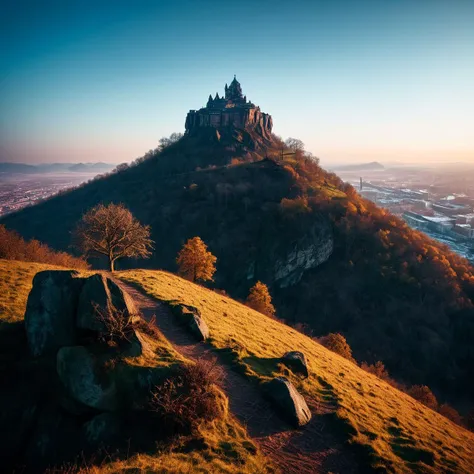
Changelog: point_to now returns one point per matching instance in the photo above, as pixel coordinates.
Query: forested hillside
(332, 260)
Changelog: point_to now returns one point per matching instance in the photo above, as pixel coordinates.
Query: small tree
(450, 413)
(337, 343)
(114, 232)
(424, 395)
(260, 300)
(195, 261)
(294, 144)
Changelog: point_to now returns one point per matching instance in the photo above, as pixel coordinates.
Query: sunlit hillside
(15, 283)
(397, 433)
(221, 446)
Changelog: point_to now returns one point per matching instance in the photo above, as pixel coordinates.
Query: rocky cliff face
(306, 254)
(284, 263)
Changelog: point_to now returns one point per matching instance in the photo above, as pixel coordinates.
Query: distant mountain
(372, 166)
(56, 168)
(91, 167)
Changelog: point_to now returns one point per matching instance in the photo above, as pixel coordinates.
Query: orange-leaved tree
(260, 300)
(195, 262)
(112, 231)
(337, 343)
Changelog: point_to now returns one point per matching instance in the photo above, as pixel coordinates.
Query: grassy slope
(398, 432)
(15, 284)
(227, 448)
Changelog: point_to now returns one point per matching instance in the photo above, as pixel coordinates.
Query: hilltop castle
(231, 110)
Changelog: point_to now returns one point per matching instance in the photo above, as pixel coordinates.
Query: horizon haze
(356, 81)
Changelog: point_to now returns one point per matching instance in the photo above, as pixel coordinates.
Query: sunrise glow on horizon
(356, 81)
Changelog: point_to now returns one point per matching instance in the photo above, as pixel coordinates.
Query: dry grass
(398, 433)
(220, 446)
(15, 283)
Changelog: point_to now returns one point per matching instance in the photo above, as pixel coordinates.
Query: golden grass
(226, 446)
(227, 450)
(398, 433)
(15, 283)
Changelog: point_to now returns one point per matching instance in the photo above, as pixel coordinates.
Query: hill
(334, 261)
(37, 437)
(396, 433)
(387, 430)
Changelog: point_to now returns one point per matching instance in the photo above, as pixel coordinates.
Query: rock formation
(296, 362)
(81, 390)
(191, 318)
(51, 311)
(289, 402)
(230, 111)
(99, 298)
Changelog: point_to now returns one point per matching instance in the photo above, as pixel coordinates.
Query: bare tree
(114, 232)
(165, 142)
(294, 144)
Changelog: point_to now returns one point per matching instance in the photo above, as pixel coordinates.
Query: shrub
(117, 325)
(260, 300)
(378, 369)
(337, 343)
(190, 397)
(450, 413)
(424, 395)
(14, 247)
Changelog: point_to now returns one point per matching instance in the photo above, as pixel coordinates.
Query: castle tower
(234, 91)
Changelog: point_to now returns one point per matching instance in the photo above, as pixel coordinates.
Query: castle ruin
(231, 110)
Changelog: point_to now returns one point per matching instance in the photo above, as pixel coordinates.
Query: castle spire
(234, 90)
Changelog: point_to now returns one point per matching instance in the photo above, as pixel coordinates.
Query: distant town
(436, 200)
(22, 185)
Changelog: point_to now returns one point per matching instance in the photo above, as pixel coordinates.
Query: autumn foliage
(260, 300)
(338, 344)
(195, 262)
(14, 247)
(424, 395)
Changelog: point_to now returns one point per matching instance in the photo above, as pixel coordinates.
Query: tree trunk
(111, 264)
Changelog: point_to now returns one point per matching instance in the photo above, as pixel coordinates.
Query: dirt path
(312, 449)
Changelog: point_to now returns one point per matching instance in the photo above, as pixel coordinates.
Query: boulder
(100, 298)
(85, 380)
(191, 317)
(138, 344)
(51, 311)
(290, 403)
(296, 362)
(199, 327)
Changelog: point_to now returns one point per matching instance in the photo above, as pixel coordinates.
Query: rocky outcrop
(100, 299)
(51, 311)
(296, 361)
(308, 252)
(191, 318)
(289, 402)
(83, 378)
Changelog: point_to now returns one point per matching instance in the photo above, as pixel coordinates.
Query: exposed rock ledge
(307, 253)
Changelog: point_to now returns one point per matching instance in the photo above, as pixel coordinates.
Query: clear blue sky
(355, 80)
